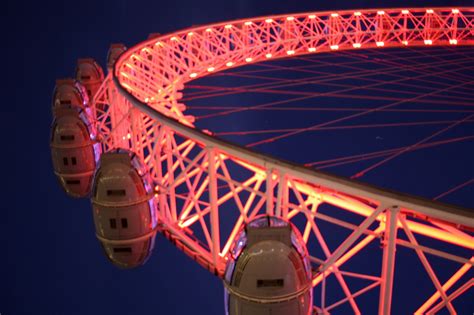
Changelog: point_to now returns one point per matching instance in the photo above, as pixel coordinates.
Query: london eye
(175, 138)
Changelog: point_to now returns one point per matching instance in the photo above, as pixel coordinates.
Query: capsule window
(73, 181)
(67, 137)
(65, 102)
(266, 283)
(73, 160)
(85, 77)
(124, 223)
(122, 249)
(113, 224)
(116, 192)
(65, 161)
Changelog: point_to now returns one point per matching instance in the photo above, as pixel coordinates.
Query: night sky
(53, 263)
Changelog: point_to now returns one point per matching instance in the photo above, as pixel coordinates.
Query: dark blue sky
(53, 264)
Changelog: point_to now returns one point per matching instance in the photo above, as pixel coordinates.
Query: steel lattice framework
(202, 180)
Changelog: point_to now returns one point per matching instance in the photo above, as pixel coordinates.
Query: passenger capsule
(268, 271)
(74, 149)
(114, 53)
(90, 74)
(69, 93)
(124, 209)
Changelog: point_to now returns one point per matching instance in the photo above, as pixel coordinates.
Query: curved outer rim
(460, 216)
(166, 36)
(280, 16)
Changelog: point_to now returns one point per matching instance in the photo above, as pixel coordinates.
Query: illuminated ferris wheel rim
(333, 36)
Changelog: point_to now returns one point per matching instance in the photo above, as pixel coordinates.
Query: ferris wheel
(284, 237)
